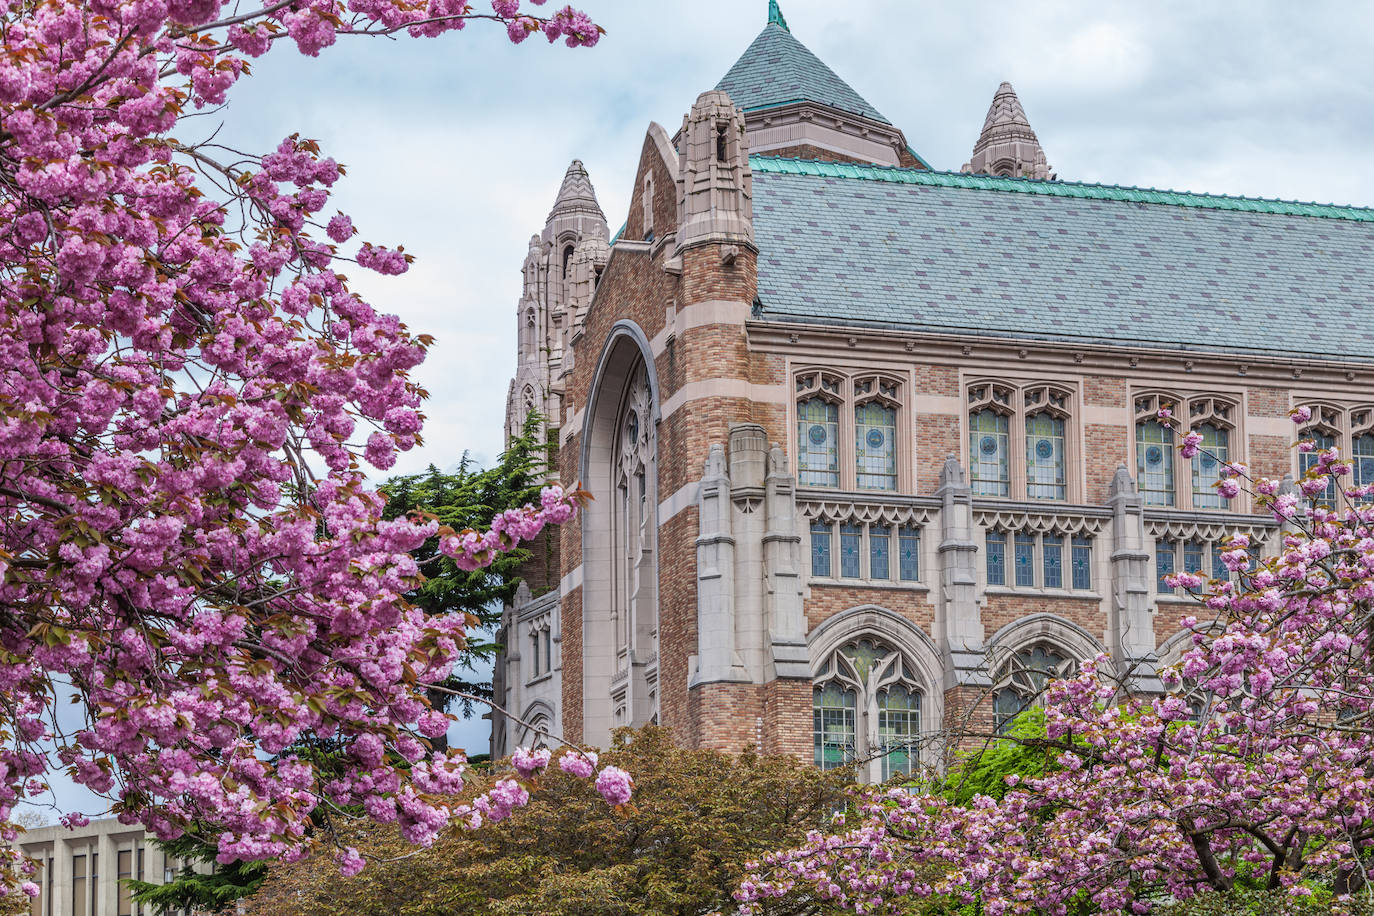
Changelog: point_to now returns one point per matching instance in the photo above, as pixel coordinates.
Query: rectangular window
(1052, 553)
(1193, 554)
(1207, 467)
(548, 650)
(1045, 457)
(79, 885)
(879, 553)
(818, 458)
(820, 550)
(997, 558)
(1025, 559)
(125, 860)
(1219, 570)
(1164, 565)
(875, 446)
(1154, 445)
(988, 436)
(909, 551)
(1082, 564)
(833, 725)
(851, 543)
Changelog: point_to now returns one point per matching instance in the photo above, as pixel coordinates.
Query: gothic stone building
(874, 446)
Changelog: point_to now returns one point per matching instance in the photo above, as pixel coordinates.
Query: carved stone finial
(1007, 145)
(1288, 485)
(952, 473)
(522, 594)
(715, 186)
(715, 461)
(775, 16)
(777, 462)
(1122, 482)
(576, 194)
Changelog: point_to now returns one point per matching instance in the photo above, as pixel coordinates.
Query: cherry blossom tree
(1255, 769)
(189, 397)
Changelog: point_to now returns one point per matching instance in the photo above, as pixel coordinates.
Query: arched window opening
(647, 202)
(722, 150)
(866, 708)
(1324, 432)
(1022, 680)
(818, 430)
(989, 433)
(1362, 455)
(875, 434)
(631, 539)
(1154, 452)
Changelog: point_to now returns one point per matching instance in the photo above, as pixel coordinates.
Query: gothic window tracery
(827, 403)
(630, 468)
(1213, 418)
(1046, 411)
(1022, 679)
(1018, 440)
(866, 709)
(1362, 445)
(1324, 432)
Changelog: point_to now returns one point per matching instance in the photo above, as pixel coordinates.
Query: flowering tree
(188, 391)
(1255, 768)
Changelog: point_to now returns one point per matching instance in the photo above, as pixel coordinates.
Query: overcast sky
(456, 146)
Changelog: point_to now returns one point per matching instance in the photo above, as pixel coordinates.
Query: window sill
(898, 586)
(534, 681)
(1041, 592)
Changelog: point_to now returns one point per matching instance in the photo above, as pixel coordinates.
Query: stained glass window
(909, 554)
(1154, 449)
(820, 550)
(1219, 570)
(1362, 455)
(1024, 678)
(833, 719)
(818, 437)
(1207, 466)
(1025, 559)
(1045, 457)
(1321, 440)
(1193, 553)
(875, 429)
(996, 546)
(1164, 565)
(879, 553)
(988, 434)
(899, 727)
(1052, 555)
(1082, 563)
(851, 542)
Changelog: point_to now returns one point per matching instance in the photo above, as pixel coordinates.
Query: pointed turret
(1007, 145)
(576, 195)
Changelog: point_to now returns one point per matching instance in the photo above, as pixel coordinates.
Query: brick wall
(787, 727)
(1088, 613)
(829, 600)
(937, 437)
(1267, 402)
(677, 617)
(1104, 391)
(1106, 447)
(728, 717)
(570, 621)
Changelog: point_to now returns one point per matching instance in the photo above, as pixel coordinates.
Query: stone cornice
(1007, 355)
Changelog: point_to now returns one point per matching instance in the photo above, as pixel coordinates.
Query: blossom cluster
(1255, 760)
(189, 390)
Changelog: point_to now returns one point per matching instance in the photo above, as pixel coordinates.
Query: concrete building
(83, 869)
(875, 447)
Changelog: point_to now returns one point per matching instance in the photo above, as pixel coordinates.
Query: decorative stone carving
(714, 186)
(1007, 145)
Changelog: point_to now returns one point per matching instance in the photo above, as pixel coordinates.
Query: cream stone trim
(1056, 519)
(1272, 426)
(1190, 527)
(683, 498)
(1097, 415)
(1033, 628)
(696, 315)
(865, 508)
(723, 388)
(993, 356)
(571, 579)
(938, 405)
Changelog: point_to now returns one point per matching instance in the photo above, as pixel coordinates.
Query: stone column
(1131, 624)
(960, 628)
(716, 658)
(748, 469)
(787, 656)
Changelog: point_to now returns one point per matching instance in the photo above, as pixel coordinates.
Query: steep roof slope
(950, 253)
(777, 69)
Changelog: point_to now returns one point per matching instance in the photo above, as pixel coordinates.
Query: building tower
(1007, 145)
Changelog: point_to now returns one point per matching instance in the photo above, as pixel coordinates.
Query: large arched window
(1324, 432)
(989, 436)
(1045, 477)
(818, 430)
(1212, 417)
(875, 434)
(866, 708)
(1020, 684)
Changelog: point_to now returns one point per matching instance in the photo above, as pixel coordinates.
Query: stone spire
(576, 195)
(1008, 146)
(775, 16)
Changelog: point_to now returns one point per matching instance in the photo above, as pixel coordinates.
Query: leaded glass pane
(1082, 563)
(1362, 456)
(879, 553)
(909, 554)
(875, 448)
(851, 542)
(1193, 553)
(1320, 440)
(833, 719)
(1215, 451)
(988, 436)
(1006, 706)
(899, 729)
(1164, 565)
(1045, 457)
(1052, 554)
(863, 654)
(818, 437)
(1025, 559)
(1219, 570)
(996, 546)
(820, 550)
(1154, 451)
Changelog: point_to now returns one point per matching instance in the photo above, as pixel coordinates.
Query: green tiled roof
(1080, 190)
(777, 69)
(937, 252)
